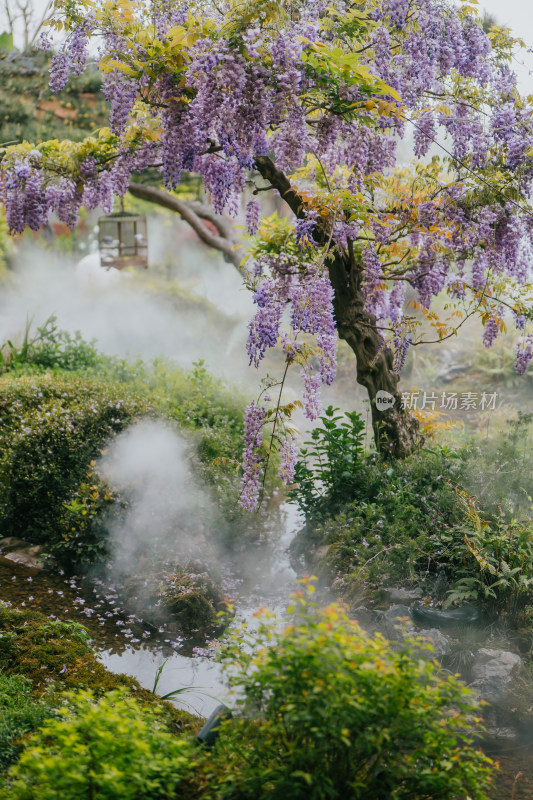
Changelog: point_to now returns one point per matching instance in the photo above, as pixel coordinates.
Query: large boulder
(493, 672)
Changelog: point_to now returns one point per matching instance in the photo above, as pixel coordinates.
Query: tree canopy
(311, 100)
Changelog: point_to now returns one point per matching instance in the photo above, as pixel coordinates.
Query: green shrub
(327, 471)
(20, 713)
(105, 749)
(492, 563)
(82, 529)
(51, 348)
(328, 712)
(392, 527)
(51, 428)
(201, 405)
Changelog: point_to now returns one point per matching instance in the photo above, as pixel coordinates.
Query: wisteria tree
(310, 99)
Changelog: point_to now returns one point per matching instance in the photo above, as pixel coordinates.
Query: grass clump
(20, 713)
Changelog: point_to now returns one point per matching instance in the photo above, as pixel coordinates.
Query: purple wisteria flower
(289, 455)
(252, 465)
(491, 329)
(524, 354)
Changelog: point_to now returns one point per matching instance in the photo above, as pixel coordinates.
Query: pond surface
(124, 643)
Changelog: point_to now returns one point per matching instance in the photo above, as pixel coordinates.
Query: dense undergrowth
(372, 523)
(322, 710)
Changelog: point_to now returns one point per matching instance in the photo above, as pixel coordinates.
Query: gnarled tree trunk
(396, 431)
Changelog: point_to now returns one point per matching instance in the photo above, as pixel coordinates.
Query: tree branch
(268, 170)
(193, 213)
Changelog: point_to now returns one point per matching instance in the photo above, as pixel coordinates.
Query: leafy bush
(51, 348)
(20, 713)
(493, 563)
(50, 430)
(197, 402)
(105, 749)
(84, 523)
(327, 471)
(329, 712)
(397, 515)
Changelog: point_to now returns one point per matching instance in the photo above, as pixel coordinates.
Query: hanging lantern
(123, 240)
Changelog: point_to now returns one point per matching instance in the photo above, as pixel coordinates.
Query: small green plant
(69, 628)
(105, 749)
(327, 470)
(20, 713)
(495, 564)
(327, 712)
(51, 348)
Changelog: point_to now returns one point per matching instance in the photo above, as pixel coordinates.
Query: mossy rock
(56, 653)
(187, 597)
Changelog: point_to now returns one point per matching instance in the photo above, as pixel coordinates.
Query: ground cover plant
(20, 713)
(56, 654)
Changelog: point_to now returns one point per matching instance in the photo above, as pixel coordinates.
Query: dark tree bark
(396, 431)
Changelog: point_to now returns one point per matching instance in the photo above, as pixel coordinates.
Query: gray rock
(365, 617)
(403, 596)
(493, 672)
(24, 558)
(440, 643)
(9, 543)
(397, 612)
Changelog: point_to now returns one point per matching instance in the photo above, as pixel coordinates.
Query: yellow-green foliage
(327, 711)
(107, 748)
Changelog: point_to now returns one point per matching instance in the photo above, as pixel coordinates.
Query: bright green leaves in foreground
(107, 749)
(330, 712)
(322, 712)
